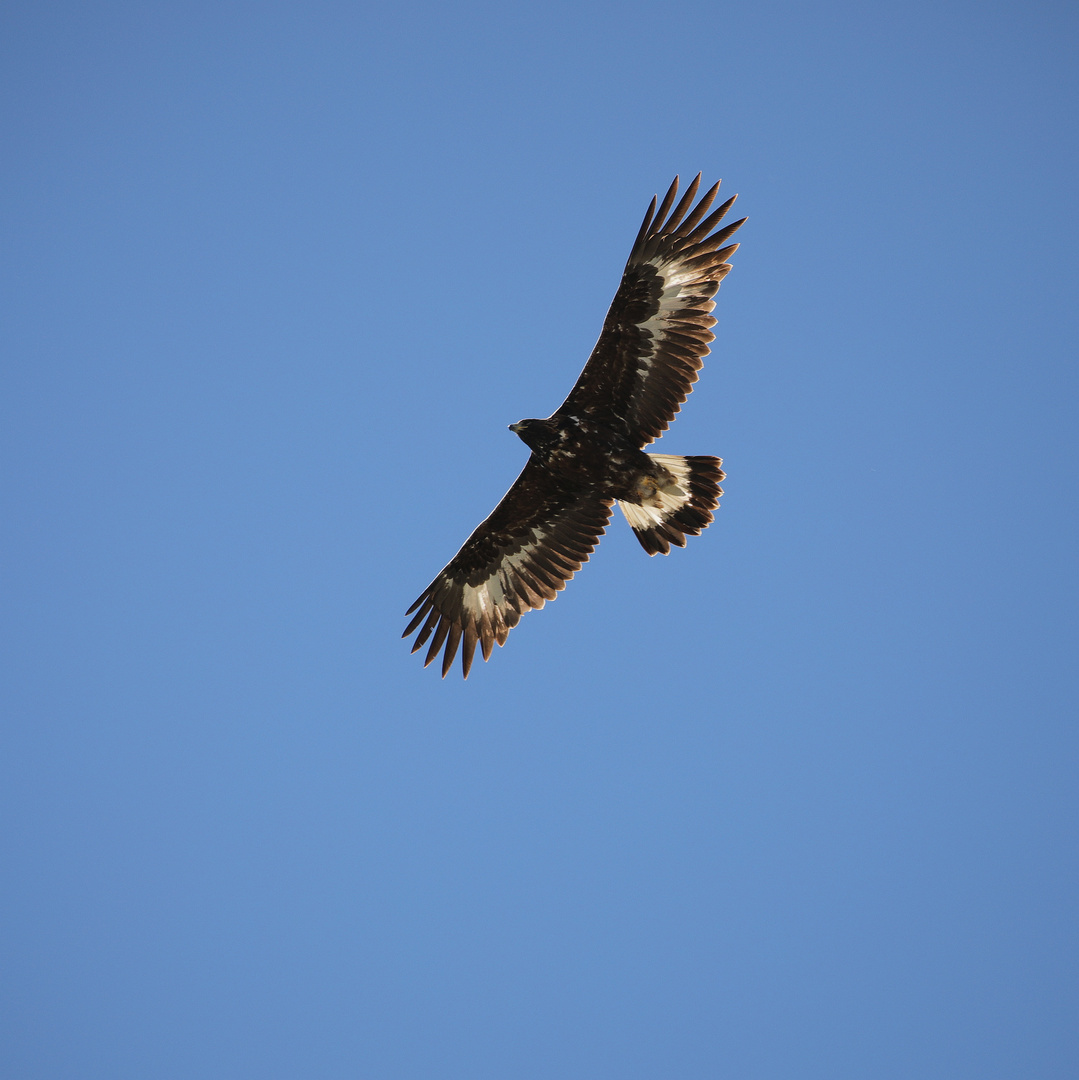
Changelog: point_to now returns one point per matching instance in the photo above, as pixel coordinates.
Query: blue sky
(797, 801)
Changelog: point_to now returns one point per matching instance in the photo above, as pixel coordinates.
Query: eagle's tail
(676, 502)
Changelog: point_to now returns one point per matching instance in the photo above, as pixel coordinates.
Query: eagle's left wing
(659, 324)
(521, 556)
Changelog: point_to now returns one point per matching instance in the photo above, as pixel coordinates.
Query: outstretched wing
(659, 325)
(520, 557)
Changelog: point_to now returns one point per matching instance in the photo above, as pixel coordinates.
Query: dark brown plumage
(588, 454)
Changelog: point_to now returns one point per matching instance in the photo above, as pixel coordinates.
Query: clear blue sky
(796, 802)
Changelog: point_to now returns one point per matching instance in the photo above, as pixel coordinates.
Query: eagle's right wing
(534, 541)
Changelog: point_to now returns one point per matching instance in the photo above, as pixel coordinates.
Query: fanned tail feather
(681, 506)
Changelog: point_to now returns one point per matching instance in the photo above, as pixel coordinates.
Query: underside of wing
(658, 328)
(535, 540)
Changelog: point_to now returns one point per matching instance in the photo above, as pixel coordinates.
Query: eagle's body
(584, 454)
(588, 454)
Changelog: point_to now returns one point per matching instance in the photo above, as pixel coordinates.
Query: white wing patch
(489, 597)
(676, 278)
(679, 282)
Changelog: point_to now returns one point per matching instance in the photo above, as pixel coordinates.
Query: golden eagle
(588, 454)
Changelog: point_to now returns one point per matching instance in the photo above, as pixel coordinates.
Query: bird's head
(535, 434)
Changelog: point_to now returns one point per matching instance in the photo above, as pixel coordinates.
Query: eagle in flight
(588, 454)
